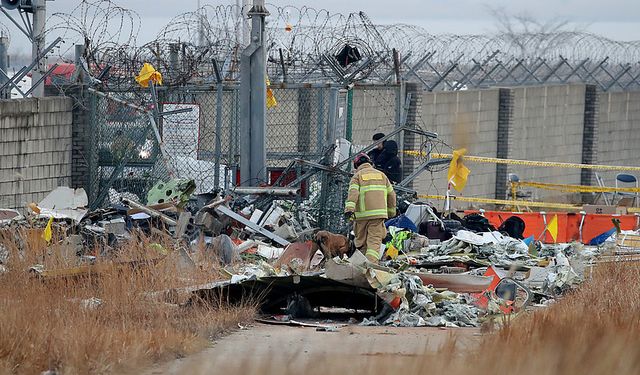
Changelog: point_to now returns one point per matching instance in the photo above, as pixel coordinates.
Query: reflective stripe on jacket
(371, 195)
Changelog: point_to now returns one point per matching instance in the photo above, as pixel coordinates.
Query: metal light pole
(39, 19)
(253, 107)
(4, 66)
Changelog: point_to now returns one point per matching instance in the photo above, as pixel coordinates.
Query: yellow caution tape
(530, 163)
(504, 202)
(576, 188)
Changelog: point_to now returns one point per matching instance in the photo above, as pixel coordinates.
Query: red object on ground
(482, 301)
(273, 176)
(568, 224)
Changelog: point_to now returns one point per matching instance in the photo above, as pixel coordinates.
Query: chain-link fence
(199, 131)
(123, 152)
(299, 125)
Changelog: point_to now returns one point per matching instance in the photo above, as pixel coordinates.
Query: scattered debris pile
(436, 271)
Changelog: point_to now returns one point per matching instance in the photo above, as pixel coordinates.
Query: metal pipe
(583, 214)
(35, 85)
(117, 100)
(150, 211)
(268, 190)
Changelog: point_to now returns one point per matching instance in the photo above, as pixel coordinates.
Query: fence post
(4, 65)
(93, 132)
(333, 116)
(253, 87)
(414, 113)
(589, 137)
(304, 100)
(321, 136)
(503, 149)
(218, 150)
(400, 109)
(174, 50)
(349, 127)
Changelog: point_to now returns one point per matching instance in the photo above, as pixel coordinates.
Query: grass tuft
(113, 320)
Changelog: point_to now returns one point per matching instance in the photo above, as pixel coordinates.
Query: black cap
(378, 136)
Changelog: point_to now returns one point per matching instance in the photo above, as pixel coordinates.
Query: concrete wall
(548, 123)
(618, 131)
(463, 119)
(537, 123)
(35, 149)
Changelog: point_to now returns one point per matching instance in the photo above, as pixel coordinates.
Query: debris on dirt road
(269, 248)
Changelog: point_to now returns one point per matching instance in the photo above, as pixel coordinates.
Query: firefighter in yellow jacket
(370, 202)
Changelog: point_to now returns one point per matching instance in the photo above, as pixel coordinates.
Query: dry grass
(594, 330)
(44, 325)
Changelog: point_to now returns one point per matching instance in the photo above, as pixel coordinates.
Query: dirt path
(268, 349)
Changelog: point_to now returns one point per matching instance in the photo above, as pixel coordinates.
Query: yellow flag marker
(458, 172)
(46, 235)
(271, 99)
(553, 228)
(148, 74)
(392, 251)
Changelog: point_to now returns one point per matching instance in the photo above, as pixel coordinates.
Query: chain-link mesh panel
(209, 133)
(200, 136)
(331, 202)
(297, 127)
(373, 111)
(124, 151)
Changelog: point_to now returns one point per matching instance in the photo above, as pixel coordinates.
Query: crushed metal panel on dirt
(299, 250)
(460, 283)
(65, 203)
(349, 272)
(274, 292)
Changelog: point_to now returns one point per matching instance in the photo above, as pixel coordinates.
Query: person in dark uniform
(373, 154)
(389, 162)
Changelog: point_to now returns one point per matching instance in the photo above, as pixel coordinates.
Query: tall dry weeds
(594, 330)
(54, 324)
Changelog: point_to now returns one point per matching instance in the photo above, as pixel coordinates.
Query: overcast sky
(615, 19)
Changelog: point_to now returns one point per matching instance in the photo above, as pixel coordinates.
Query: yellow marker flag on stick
(458, 172)
(271, 99)
(552, 227)
(46, 235)
(148, 74)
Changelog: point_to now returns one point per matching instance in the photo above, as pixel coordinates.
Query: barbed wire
(299, 39)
